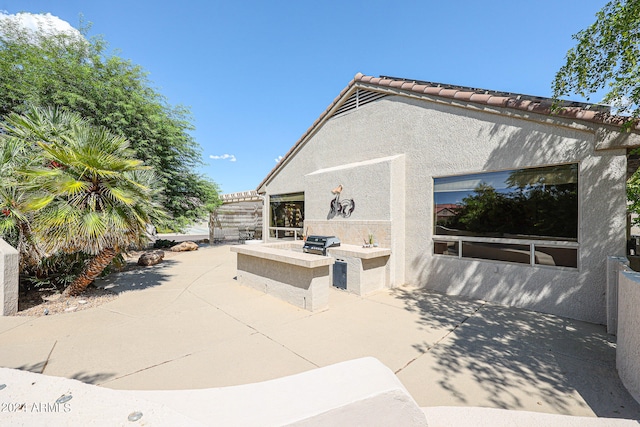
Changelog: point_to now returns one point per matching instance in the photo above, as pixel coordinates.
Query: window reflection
(445, 248)
(560, 257)
(522, 203)
(497, 252)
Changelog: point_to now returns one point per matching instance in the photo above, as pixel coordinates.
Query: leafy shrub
(57, 272)
(163, 243)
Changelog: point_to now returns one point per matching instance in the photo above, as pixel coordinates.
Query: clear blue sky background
(256, 74)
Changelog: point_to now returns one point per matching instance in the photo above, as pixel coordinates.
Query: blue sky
(256, 74)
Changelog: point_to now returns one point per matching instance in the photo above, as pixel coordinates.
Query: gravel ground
(42, 303)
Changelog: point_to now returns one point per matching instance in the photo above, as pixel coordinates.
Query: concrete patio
(186, 323)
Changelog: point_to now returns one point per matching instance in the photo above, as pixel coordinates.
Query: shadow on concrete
(88, 378)
(138, 278)
(505, 350)
(33, 367)
(93, 378)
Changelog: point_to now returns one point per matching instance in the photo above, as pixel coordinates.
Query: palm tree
(19, 197)
(99, 198)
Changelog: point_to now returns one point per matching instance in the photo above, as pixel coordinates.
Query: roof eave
(326, 114)
(609, 128)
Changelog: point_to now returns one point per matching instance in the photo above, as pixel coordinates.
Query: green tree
(486, 211)
(606, 56)
(19, 198)
(62, 69)
(95, 197)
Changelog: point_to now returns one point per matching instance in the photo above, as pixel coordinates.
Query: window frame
(276, 231)
(532, 242)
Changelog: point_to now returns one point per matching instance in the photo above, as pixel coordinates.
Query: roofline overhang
(342, 96)
(608, 129)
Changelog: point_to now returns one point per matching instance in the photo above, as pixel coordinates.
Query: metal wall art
(343, 208)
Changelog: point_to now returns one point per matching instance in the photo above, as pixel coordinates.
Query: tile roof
(581, 111)
(569, 109)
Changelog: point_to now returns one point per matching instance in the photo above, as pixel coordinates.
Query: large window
(286, 215)
(490, 214)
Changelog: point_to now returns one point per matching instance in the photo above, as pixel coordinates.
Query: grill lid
(320, 243)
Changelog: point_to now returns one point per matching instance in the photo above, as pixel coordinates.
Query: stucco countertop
(283, 254)
(359, 252)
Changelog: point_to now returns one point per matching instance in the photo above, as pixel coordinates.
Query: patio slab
(543, 332)
(223, 367)
(145, 342)
(189, 324)
(362, 328)
(566, 367)
(29, 356)
(467, 370)
(432, 307)
(11, 322)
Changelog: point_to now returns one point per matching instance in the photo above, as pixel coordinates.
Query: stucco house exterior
(535, 200)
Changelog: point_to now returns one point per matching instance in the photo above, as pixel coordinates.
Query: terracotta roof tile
(523, 104)
(568, 112)
(430, 90)
(464, 96)
(512, 103)
(542, 109)
(586, 115)
(480, 98)
(448, 93)
(500, 101)
(577, 110)
(532, 106)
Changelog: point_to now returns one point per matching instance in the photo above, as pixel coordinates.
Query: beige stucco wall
(8, 279)
(428, 139)
(377, 188)
(628, 342)
(304, 287)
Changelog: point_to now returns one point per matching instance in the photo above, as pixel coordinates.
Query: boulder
(151, 257)
(185, 246)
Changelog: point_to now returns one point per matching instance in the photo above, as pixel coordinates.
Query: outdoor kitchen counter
(284, 252)
(282, 270)
(367, 269)
(356, 251)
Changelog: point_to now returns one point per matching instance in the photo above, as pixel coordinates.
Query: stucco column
(8, 279)
(628, 342)
(266, 218)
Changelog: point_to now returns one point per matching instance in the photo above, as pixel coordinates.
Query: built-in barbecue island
(301, 274)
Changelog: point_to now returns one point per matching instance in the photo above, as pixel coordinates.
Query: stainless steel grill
(320, 244)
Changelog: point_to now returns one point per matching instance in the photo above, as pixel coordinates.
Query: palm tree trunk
(90, 272)
(29, 252)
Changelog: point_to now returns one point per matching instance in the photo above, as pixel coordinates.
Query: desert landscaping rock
(185, 246)
(151, 258)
